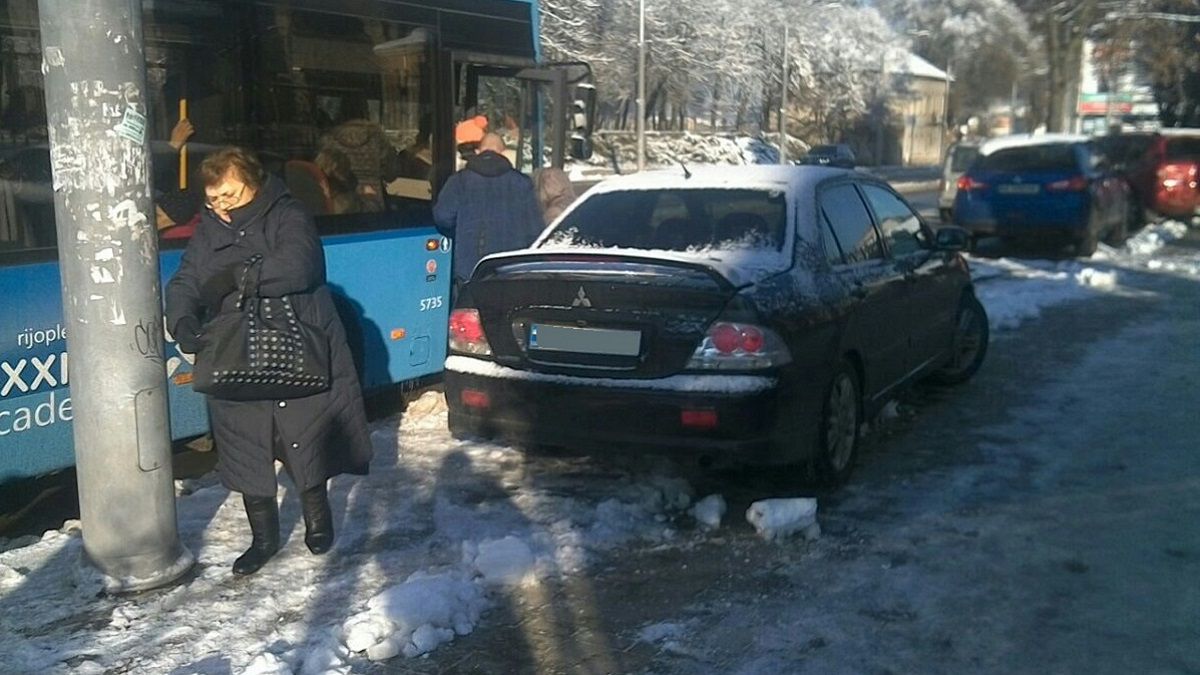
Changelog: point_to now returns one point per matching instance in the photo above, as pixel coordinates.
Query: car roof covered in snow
(1028, 140)
(758, 176)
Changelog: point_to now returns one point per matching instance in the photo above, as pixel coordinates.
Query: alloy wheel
(841, 424)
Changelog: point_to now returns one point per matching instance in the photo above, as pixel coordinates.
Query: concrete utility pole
(108, 249)
(641, 93)
(783, 102)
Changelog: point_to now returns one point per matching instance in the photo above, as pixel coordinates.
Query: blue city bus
(353, 104)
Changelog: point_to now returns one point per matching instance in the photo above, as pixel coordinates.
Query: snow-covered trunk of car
(625, 318)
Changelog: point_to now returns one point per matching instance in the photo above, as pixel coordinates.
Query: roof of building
(918, 67)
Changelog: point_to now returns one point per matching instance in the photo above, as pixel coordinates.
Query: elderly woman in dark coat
(316, 437)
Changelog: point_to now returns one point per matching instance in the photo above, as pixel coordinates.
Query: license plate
(606, 341)
(1018, 189)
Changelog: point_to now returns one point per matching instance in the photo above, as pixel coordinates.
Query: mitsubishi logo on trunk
(581, 299)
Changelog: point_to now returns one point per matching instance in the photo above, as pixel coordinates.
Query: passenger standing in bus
(372, 157)
(487, 207)
(316, 437)
(177, 210)
(554, 190)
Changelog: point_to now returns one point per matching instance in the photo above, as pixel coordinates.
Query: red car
(1161, 167)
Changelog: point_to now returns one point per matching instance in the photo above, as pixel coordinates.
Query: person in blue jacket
(487, 207)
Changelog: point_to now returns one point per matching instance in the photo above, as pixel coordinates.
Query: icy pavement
(426, 543)
(1015, 290)
(421, 541)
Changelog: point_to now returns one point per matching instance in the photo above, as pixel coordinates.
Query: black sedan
(759, 314)
(839, 155)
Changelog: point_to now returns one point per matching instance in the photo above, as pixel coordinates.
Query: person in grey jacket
(487, 207)
(249, 213)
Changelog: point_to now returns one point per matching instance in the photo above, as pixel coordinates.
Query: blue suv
(1049, 188)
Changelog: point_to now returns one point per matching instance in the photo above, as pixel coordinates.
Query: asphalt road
(1041, 518)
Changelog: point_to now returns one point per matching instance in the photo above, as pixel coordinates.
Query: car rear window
(1059, 157)
(962, 157)
(1183, 149)
(676, 220)
(830, 150)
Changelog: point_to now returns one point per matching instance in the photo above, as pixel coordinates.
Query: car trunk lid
(597, 315)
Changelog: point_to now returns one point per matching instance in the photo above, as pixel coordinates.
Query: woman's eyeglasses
(225, 200)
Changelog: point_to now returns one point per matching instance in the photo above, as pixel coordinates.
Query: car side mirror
(951, 238)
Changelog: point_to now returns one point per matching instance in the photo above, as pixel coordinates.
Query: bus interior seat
(306, 182)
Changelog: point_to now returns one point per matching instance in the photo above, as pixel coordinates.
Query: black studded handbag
(261, 352)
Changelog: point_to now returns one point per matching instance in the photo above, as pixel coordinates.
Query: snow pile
(709, 511)
(642, 510)
(775, 519)
(1188, 267)
(1153, 237)
(267, 664)
(1094, 278)
(1014, 291)
(416, 616)
(505, 562)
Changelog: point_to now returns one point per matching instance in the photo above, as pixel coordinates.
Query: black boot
(263, 514)
(318, 519)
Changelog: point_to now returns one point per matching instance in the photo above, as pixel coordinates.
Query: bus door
(543, 113)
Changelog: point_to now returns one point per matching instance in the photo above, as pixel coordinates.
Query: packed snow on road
(433, 536)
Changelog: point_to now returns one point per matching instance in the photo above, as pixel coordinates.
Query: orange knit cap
(470, 130)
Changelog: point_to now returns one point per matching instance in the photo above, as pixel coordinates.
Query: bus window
(26, 198)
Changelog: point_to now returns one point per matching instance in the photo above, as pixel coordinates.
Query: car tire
(1119, 232)
(841, 415)
(946, 216)
(1086, 245)
(969, 345)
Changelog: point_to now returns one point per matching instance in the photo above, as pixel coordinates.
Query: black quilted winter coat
(317, 436)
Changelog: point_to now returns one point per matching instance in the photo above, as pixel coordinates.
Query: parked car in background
(1161, 167)
(759, 314)
(839, 155)
(959, 157)
(1054, 188)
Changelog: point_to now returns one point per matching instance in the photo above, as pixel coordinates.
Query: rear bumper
(580, 414)
(1183, 204)
(983, 222)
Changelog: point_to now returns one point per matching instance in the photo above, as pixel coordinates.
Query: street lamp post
(95, 89)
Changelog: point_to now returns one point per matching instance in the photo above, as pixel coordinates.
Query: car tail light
(1172, 176)
(698, 419)
(1072, 184)
(968, 184)
(466, 333)
(739, 346)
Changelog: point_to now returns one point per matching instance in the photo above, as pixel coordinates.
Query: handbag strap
(252, 263)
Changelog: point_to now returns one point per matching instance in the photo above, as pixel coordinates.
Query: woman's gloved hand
(189, 335)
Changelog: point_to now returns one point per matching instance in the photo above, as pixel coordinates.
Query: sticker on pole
(132, 126)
